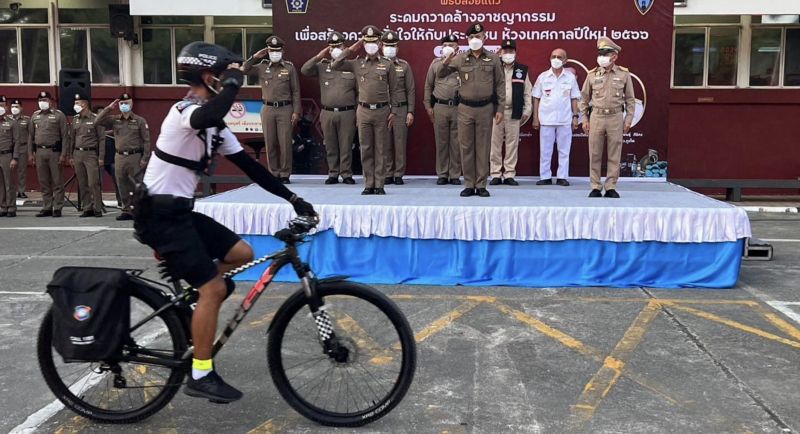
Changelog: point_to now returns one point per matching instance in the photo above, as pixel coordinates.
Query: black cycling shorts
(188, 242)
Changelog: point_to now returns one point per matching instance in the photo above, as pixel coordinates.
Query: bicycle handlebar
(298, 228)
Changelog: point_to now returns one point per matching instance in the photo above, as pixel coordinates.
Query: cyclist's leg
(221, 243)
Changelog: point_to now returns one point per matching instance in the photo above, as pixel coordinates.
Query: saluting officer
(8, 162)
(441, 103)
(518, 109)
(609, 90)
(47, 138)
(377, 85)
(24, 127)
(403, 109)
(87, 152)
(280, 90)
(338, 117)
(482, 98)
(132, 142)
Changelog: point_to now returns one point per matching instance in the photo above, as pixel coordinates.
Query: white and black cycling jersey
(178, 138)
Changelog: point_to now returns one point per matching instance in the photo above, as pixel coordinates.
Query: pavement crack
(725, 369)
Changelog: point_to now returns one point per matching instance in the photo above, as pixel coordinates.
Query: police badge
(518, 72)
(297, 6)
(644, 6)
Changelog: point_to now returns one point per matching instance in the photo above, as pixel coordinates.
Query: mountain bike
(340, 353)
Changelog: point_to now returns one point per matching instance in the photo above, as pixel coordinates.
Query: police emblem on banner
(297, 6)
(644, 6)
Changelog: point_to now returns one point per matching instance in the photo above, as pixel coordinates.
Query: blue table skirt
(579, 263)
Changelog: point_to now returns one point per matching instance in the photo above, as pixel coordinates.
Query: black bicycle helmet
(198, 57)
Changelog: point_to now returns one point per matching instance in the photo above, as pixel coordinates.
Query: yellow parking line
(275, 424)
(266, 319)
(778, 322)
(601, 383)
(736, 325)
(446, 320)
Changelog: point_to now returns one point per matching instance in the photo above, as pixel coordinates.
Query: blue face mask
(125, 108)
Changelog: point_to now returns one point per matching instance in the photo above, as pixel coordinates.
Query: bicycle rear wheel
(367, 375)
(119, 392)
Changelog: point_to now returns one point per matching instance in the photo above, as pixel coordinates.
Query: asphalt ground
(490, 359)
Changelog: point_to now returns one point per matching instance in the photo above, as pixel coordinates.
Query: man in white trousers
(555, 115)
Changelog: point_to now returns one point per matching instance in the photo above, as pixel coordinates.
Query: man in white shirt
(196, 248)
(555, 110)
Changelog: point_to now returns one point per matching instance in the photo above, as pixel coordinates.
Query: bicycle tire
(76, 404)
(293, 306)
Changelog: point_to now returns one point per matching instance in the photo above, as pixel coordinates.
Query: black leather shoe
(19, 195)
(332, 180)
(12, 214)
(380, 190)
(544, 182)
(22, 196)
(88, 213)
(595, 193)
(441, 181)
(44, 213)
(467, 192)
(3, 214)
(398, 180)
(56, 213)
(482, 192)
(98, 214)
(495, 181)
(213, 388)
(612, 194)
(510, 181)
(349, 180)
(368, 191)
(124, 216)
(285, 180)
(389, 180)
(455, 181)
(562, 182)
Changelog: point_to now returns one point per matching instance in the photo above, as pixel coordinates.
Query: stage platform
(657, 235)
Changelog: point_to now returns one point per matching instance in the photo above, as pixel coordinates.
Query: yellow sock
(201, 368)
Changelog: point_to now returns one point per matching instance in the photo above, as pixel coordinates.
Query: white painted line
(771, 209)
(780, 306)
(68, 257)
(65, 228)
(37, 294)
(780, 240)
(32, 423)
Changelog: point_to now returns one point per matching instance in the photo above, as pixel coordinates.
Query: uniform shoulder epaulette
(623, 68)
(288, 62)
(592, 70)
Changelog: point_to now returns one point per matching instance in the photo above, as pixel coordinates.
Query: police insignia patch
(644, 6)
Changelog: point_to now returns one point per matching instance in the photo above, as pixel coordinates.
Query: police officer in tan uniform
(608, 89)
(403, 109)
(441, 103)
(87, 152)
(518, 110)
(8, 162)
(280, 90)
(23, 126)
(338, 91)
(48, 137)
(377, 85)
(132, 142)
(482, 99)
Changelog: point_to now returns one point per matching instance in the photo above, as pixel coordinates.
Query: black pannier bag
(91, 313)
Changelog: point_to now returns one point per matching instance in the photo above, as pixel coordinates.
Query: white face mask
(44, 105)
(371, 48)
(604, 61)
(509, 58)
(448, 50)
(475, 44)
(390, 52)
(336, 53)
(15, 111)
(275, 56)
(556, 63)
(77, 108)
(2, 111)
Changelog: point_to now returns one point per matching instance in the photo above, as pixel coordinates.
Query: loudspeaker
(120, 21)
(70, 82)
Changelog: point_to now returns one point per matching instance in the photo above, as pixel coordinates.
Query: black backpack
(91, 313)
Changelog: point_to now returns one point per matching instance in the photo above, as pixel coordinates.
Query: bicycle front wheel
(370, 370)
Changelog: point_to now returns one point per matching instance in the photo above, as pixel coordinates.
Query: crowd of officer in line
(477, 101)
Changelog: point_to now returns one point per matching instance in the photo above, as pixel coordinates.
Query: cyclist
(196, 248)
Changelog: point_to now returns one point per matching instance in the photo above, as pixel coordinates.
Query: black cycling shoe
(212, 387)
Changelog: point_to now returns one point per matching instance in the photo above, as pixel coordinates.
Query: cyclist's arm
(211, 113)
(232, 150)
